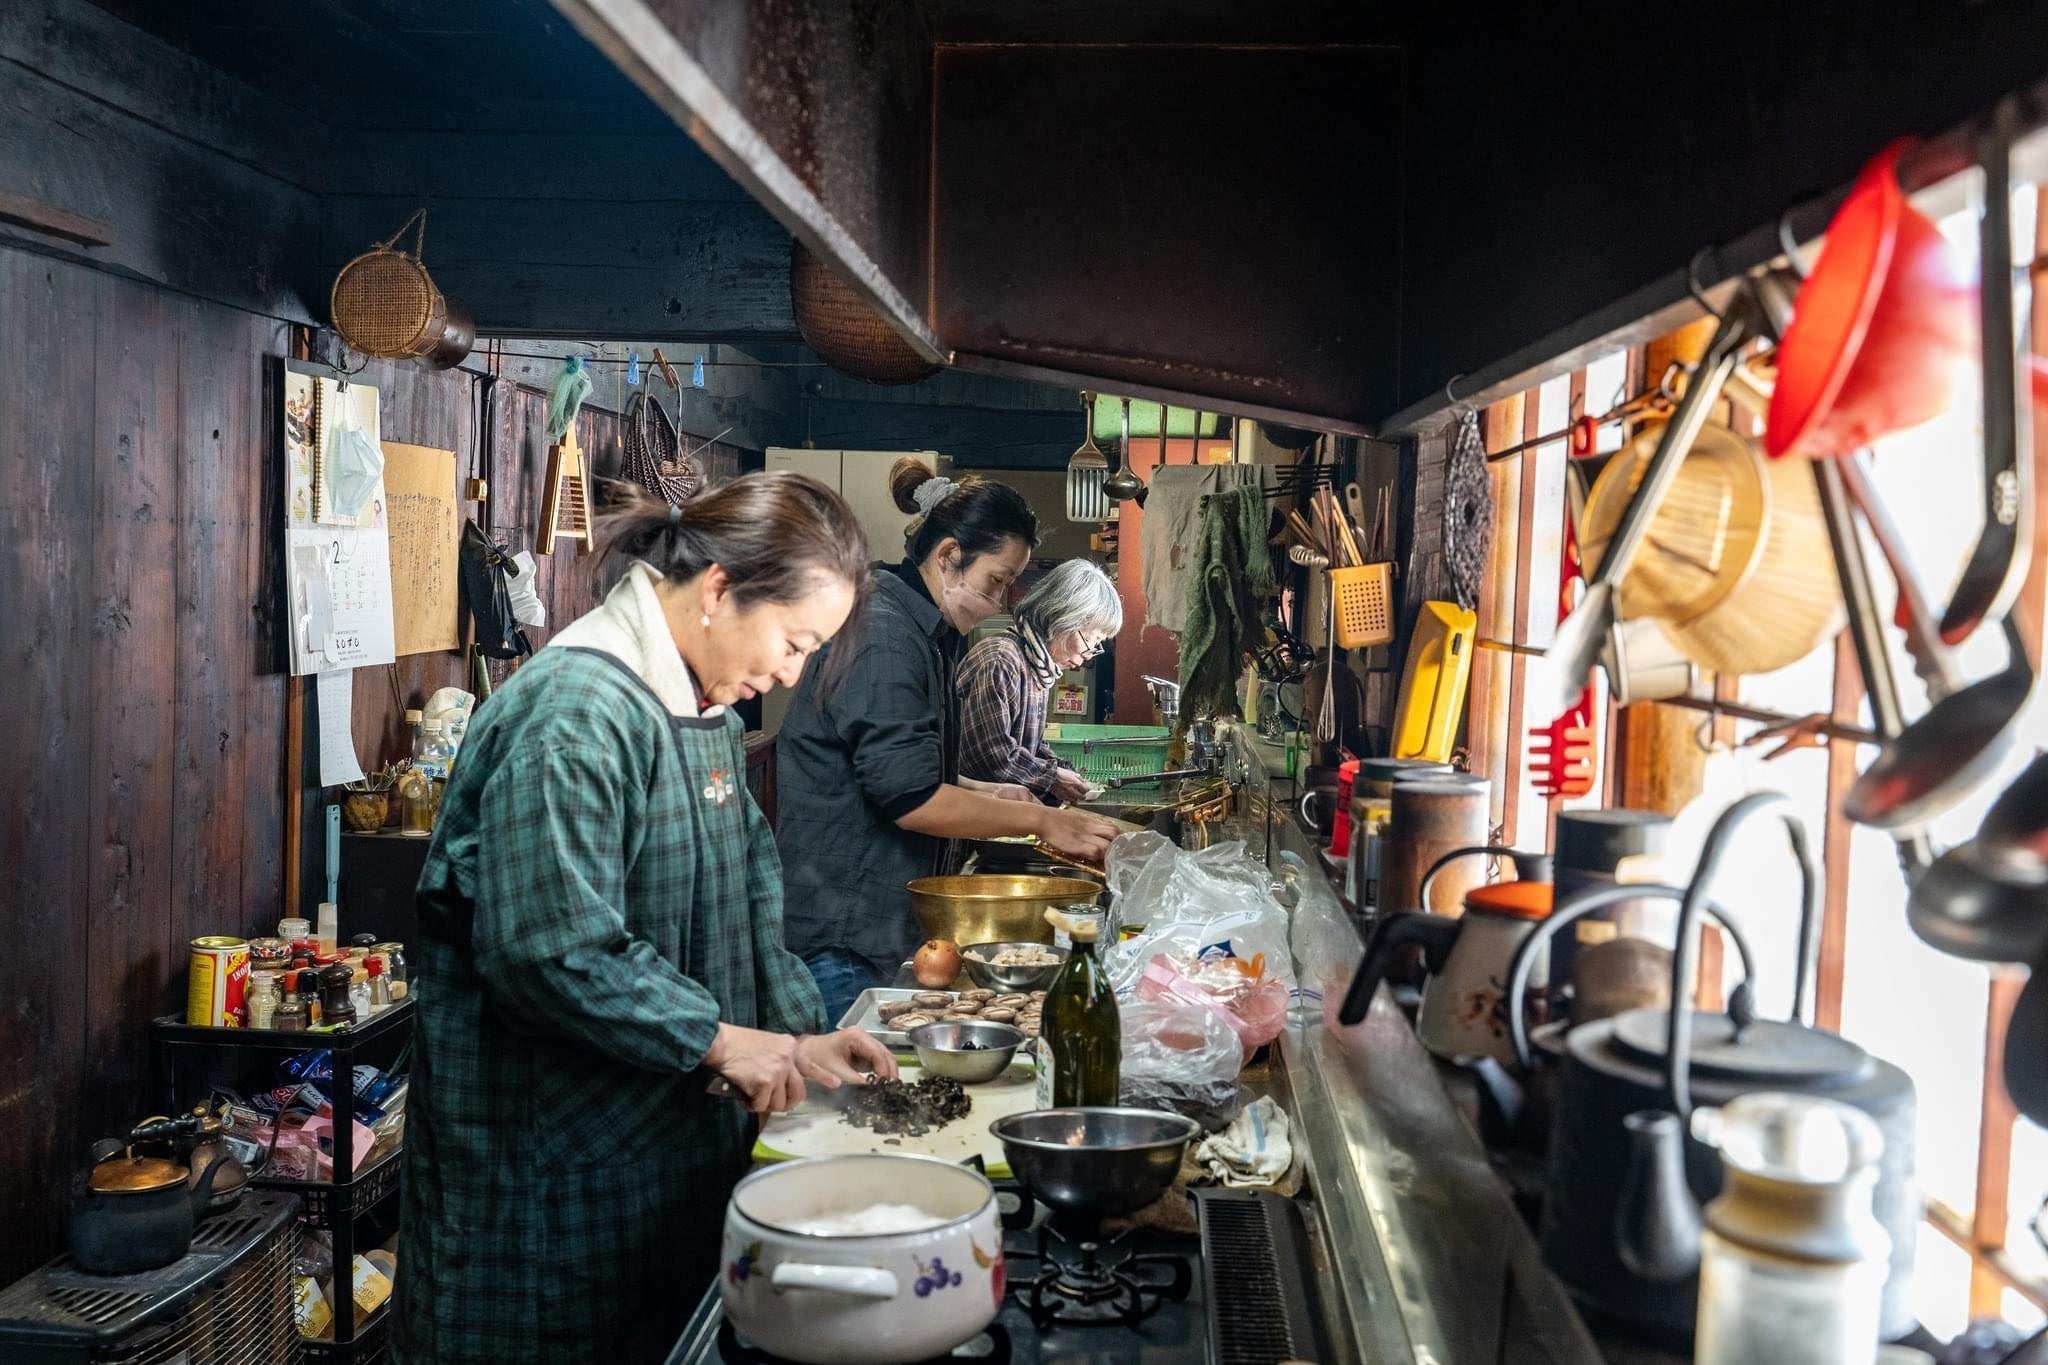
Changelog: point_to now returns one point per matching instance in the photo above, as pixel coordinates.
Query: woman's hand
(762, 1066)
(1078, 834)
(1068, 785)
(848, 1056)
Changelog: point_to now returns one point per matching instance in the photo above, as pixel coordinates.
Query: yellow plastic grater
(1433, 682)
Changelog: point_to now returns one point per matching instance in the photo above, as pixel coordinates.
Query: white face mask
(354, 465)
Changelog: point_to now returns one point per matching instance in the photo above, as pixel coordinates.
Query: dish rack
(1138, 749)
(228, 1301)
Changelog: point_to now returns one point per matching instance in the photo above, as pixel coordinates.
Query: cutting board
(817, 1128)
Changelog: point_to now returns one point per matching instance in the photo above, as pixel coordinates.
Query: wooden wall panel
(132, 659)
(46, 480)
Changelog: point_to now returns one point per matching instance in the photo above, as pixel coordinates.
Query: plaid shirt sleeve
(549, 936)
(1001, 729)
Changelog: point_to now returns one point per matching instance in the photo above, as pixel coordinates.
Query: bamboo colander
(1735, 568)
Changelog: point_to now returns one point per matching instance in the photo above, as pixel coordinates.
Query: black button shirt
(849, 764)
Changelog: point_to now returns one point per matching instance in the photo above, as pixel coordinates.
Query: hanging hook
(1692, 279)
(1789, 244)
(1458, 405)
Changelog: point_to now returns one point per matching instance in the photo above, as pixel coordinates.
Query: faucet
(1205, 755)
(1166, 697)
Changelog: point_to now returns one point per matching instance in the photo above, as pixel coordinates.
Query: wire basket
(1100, 764)
(1364, 597)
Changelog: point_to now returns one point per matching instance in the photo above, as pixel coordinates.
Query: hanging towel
(1170, 540)
(1233, 573)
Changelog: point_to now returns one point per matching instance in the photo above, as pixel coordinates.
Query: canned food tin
(216, 995)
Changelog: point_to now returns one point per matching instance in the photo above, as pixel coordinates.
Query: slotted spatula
(1087, 467)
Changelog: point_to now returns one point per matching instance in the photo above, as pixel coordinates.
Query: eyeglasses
(1091, 648)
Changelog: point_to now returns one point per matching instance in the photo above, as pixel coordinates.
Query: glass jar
(395, 966)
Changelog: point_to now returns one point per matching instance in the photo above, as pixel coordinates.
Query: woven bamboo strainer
(1736, 568)
(385, 304)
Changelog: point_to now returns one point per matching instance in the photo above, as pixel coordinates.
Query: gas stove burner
(1081, 1280)
(991, 1347)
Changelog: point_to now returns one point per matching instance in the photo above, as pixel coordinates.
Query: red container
(1340, 824)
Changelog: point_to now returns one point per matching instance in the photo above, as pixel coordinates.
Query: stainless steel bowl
(991, 977)
(1095, 1162)
(944, 1050)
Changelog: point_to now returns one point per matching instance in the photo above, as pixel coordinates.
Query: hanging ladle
(1122, 485)
(1941, 758)
(1987, 900)
(1998, 563)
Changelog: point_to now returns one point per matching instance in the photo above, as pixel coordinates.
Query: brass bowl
(994, 907)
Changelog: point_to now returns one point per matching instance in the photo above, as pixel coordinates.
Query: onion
(937, 962)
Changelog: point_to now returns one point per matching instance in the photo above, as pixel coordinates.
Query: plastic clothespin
(697, 373)
(633, 368)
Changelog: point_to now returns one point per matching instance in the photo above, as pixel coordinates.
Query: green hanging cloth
(1233, 575)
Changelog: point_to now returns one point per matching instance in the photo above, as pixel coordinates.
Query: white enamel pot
(871, 1299)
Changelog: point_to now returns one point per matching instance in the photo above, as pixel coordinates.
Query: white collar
(630, 626)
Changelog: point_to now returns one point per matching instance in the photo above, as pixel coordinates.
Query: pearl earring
(704, 620)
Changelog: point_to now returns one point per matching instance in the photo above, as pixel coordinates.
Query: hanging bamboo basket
(385, 304)
(845, 330)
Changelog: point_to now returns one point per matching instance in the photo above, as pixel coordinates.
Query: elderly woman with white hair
(1061, 623)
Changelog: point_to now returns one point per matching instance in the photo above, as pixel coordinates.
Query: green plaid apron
(602, 892)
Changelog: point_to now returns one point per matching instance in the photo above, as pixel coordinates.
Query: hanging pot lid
(1770, 1052)
(129, 1174)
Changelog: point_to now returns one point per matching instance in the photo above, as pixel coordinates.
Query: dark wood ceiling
(408, 64)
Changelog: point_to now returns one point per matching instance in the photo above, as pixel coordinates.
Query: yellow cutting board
(817, 1128)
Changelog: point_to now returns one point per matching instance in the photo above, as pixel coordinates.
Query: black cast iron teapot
(1634, 1258)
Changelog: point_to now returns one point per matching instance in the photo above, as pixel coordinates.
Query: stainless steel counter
(1429, 1259)
(1423, 1256)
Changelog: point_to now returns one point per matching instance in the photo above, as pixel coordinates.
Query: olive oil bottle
(1081, 1044)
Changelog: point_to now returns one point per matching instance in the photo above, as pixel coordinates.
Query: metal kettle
(1630, 1248)
(1438, 936)
(134, 1213)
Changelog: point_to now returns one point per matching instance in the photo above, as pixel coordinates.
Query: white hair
(1075, 595)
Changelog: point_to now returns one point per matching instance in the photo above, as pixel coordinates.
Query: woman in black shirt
(868, 785)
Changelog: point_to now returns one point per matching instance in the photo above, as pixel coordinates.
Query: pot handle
(854, 1281)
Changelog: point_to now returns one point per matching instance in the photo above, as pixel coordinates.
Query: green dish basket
(1113, 760)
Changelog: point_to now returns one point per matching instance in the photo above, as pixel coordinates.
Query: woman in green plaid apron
(600, 932)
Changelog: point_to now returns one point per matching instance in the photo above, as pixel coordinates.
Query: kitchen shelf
(394, 1018)
(333, 1205)
(328, 1200)
(370, 1343)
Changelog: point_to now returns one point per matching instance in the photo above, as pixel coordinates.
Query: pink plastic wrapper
(1255, 1006)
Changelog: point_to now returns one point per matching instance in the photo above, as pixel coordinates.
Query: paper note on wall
(338, 764)
(426, 537)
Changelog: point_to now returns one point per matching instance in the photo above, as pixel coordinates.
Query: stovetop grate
(1259, 1279)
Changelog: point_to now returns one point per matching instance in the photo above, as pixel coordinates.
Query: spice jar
(269, 954)
(308, 993)
(380, 984)
(263, 999)
(292, 928)
(395, 966)
(290, 1015)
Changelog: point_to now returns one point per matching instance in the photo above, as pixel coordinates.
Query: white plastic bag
(1216, 902)
(1179, 1057)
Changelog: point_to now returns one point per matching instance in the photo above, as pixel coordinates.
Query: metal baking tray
(865, 1012)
